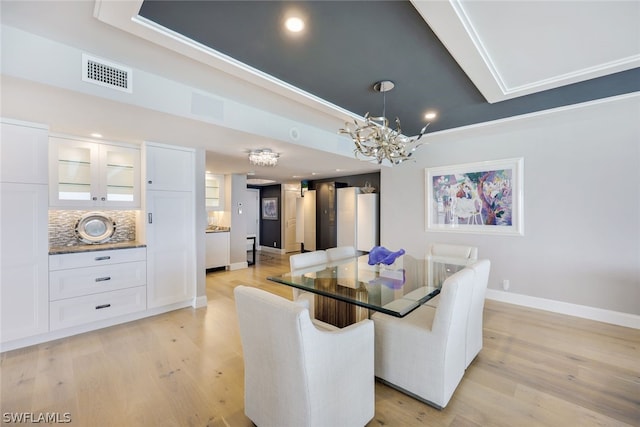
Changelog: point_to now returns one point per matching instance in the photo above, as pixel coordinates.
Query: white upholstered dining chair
(423, 354)
(340, 252)
(476, 310)
(302, 263)
(446, 250)
(439, 253)
(297, 374)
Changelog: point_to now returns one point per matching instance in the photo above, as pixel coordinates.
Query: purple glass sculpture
(382, 255)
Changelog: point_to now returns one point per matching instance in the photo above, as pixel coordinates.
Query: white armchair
(453, 251)
(423, 353)
(298, 375)
(303, 263)
(441, 253)
(340, 252)
(307, 259)
(476, 309)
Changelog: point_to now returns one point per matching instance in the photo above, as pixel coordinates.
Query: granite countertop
(217, 229)
(57, 250)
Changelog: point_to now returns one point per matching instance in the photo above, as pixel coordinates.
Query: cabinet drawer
(91, 280)
(95, 258)
(76, 311)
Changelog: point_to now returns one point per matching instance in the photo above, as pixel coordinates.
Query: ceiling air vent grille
(105, 73)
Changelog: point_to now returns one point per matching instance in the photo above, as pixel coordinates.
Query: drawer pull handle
(98, 307)
(102, 258)
(102, 279)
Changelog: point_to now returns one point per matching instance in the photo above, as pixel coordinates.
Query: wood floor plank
(185, 368)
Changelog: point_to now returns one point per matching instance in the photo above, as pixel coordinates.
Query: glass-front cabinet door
(88, 174)
(214, 192)
(121, 175)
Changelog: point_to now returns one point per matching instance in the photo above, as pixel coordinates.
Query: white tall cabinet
(24, 298)
(367, 222)
(309, 211)
(347, 198)
(169, 225)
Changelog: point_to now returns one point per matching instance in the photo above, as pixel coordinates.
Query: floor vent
(104, 73)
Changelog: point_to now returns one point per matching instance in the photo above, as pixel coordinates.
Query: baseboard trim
(238, 265)
(585, 312)
(199, 302)
(272, 250)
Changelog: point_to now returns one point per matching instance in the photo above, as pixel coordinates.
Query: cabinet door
(24, 299)
(367, 225)
(169, 169)
(87, 174)
(309, 220)
(120, 176)
(23, 153)
(73, 173)
(217, 250)
(214, 192)
(347, 208)
(170, 247)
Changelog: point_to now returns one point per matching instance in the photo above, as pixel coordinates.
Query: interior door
(290, 244)
(252, 212)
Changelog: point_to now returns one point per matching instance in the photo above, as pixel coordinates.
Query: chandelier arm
(375, 140)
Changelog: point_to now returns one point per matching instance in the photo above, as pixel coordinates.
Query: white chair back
(453, 251)
(340, 252)
(290, 366)
(307, 259)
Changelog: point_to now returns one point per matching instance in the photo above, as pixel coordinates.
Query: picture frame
(270, 208)
(483, 197)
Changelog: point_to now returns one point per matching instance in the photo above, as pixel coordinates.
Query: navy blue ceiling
(350, 45)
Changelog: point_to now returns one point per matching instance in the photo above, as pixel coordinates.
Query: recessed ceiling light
(294, 24)
(430, 115)
(96, 135)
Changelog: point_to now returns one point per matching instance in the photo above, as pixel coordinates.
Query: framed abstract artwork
(482, 197)
(270, 208)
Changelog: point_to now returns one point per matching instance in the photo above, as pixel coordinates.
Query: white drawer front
(91, 280)
(76, 311)
(95, 258)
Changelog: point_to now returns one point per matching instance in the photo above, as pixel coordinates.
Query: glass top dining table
(395, 289)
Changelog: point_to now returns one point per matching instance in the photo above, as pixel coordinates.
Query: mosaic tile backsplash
(62, 225)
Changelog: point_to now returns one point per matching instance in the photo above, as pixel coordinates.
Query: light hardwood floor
(184, 368)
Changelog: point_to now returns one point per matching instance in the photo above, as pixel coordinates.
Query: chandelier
(263, 157)
(375, 140)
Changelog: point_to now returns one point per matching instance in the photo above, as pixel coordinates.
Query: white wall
(236, 189)
(581, 242)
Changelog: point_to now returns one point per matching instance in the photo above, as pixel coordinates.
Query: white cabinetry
(170, 230)
(23, 156)
(217, 250)
(309, 208)
(367, 228)
(91, 286)
(85, 174)
(168, 169)
(214, 192)
(346, 216)
(24, 305)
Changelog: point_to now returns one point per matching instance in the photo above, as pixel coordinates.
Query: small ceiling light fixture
(294, 24)
(263, 157)
(375, 140)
